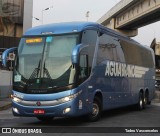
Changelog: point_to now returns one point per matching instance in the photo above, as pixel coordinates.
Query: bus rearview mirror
(75, 54)
(6, 54)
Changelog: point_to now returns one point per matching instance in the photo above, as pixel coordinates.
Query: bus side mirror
(75, 54)
(7, 53)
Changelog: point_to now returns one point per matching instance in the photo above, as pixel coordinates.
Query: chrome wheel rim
(141, 103)
(95, 110)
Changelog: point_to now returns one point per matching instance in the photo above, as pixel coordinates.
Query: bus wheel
(45, 119)
(140, 104)
(96, 110)
(146, 99)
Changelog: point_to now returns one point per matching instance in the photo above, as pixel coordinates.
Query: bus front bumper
(65, 109)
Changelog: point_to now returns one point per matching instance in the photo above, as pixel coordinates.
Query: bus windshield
(47, 58)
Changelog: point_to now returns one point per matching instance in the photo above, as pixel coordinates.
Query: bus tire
(45, 119)
(140, 104)
(146, 99)
(96, 110)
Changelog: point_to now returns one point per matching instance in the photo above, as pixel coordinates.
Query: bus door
(86, 63)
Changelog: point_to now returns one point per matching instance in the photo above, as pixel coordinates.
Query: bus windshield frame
(44, 63)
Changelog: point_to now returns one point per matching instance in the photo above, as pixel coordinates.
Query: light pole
(45, 10)
(36, 18)
(87, 15)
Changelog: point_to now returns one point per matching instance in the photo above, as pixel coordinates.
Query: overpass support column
(127, 32)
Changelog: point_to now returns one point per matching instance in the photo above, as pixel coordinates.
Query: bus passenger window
(119, 54)
(109, 49)
(105, 49)
(89, 38)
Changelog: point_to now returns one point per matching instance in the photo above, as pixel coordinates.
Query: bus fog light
(66, 110)
(16, 110)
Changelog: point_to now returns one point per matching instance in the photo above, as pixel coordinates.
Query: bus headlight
(68, 98)
(16, 99)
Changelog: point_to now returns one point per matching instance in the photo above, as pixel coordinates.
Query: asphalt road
(123, 117)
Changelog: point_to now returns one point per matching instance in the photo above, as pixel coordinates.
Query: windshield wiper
(36, 71)
(45, 71)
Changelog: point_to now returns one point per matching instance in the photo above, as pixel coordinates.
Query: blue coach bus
(79, 68)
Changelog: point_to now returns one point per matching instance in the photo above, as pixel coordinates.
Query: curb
(5, 107)
(156, 100)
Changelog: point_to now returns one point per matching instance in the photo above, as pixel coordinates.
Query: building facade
(155, 45)
(11, 22)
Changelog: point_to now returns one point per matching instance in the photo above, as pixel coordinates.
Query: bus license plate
(39, 111)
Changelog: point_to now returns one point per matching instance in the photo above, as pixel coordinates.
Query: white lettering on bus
(119, 69)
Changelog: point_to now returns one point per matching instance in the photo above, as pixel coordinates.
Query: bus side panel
(121, 91)
(145, 82)
(116, 91)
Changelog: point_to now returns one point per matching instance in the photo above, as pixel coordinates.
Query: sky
(75, 10)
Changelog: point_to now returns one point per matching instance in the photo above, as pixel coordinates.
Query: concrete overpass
(129, 15)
